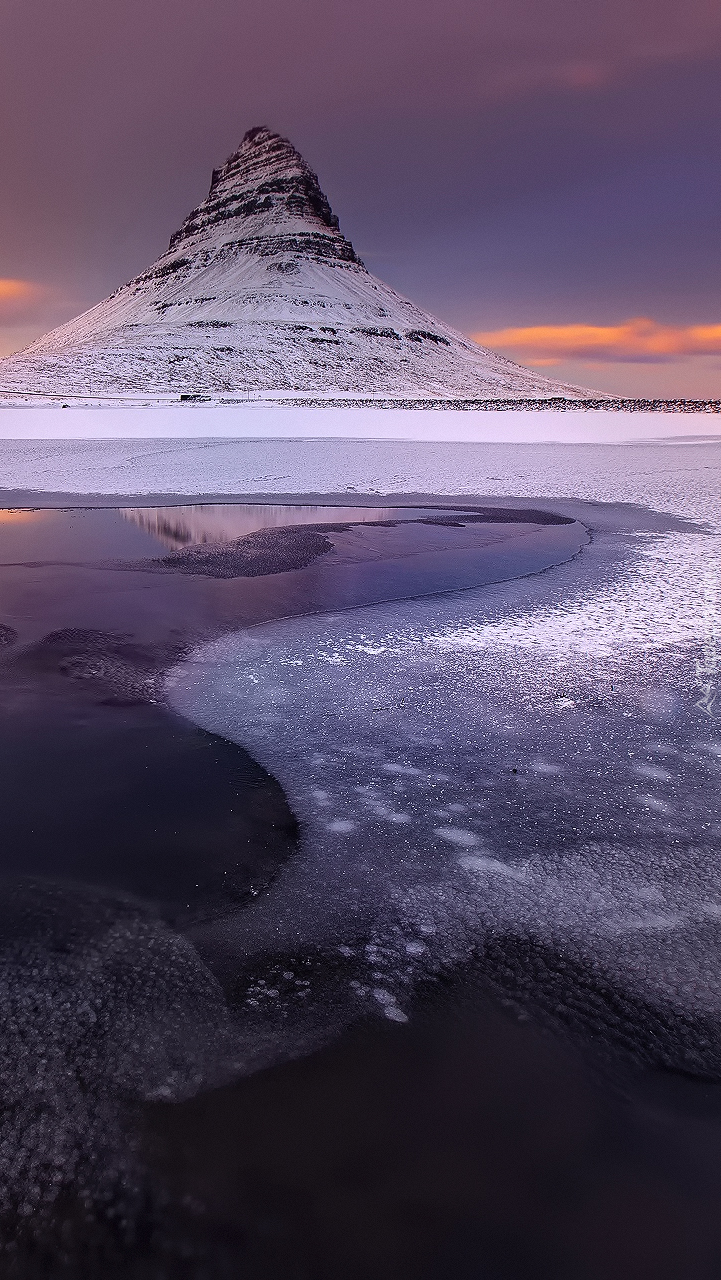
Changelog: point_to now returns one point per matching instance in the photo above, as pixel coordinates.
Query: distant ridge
(259, 291)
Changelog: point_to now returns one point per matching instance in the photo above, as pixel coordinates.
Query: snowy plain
(265, 420)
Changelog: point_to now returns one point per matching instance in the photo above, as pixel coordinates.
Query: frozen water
(409, 451)
(526, 773)
(101, 1006)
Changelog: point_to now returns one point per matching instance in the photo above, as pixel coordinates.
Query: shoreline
(570, 507)
(607, 402)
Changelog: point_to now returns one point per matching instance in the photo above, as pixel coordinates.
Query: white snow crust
(268, 421)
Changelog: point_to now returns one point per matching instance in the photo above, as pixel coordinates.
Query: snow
(355, 466)
(267, 421)
(260, 291)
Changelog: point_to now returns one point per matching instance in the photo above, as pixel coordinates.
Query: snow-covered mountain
(260, 291)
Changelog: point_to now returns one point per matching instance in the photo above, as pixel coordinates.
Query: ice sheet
(529, 772)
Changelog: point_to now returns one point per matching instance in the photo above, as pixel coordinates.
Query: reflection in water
(222, 522)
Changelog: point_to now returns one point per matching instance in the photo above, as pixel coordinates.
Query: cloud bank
(639, 340)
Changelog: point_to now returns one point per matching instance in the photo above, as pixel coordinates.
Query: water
(181, 526)
(126, 827)
(92, 534)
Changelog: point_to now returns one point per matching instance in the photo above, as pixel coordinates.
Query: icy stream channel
(525, 774)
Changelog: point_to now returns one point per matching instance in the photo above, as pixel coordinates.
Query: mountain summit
(266, 196)
(260, 291)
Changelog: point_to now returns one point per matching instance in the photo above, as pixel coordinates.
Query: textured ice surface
(404, 463)
(527, 773)
(102, 1006)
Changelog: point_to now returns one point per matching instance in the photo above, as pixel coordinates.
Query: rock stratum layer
(259, 291)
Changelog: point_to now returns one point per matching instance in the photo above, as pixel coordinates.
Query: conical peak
(259, 290)
(265, 188)
(261, 153)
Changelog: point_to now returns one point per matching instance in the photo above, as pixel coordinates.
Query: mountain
(260, 291)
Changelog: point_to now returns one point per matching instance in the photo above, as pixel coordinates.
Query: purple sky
(535, 163)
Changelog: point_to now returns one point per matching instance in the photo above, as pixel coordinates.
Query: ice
(456, 835)
(491, 865)
(102, 1006)
(589, 861)
(267, 450)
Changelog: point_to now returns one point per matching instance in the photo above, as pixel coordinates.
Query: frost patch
(387, 1001)
(457, 835)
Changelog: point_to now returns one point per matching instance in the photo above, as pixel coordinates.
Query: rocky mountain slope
(260, 292)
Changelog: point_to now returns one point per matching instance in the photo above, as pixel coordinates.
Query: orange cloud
(18, 298)
(639, 339)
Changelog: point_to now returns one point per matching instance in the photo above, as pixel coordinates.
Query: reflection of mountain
(259, 291)
(176, 527)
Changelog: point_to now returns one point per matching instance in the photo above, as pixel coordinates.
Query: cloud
(638, 340)
(20, 300)
(522, 77)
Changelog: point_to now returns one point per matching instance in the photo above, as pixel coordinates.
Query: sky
(543, 174)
